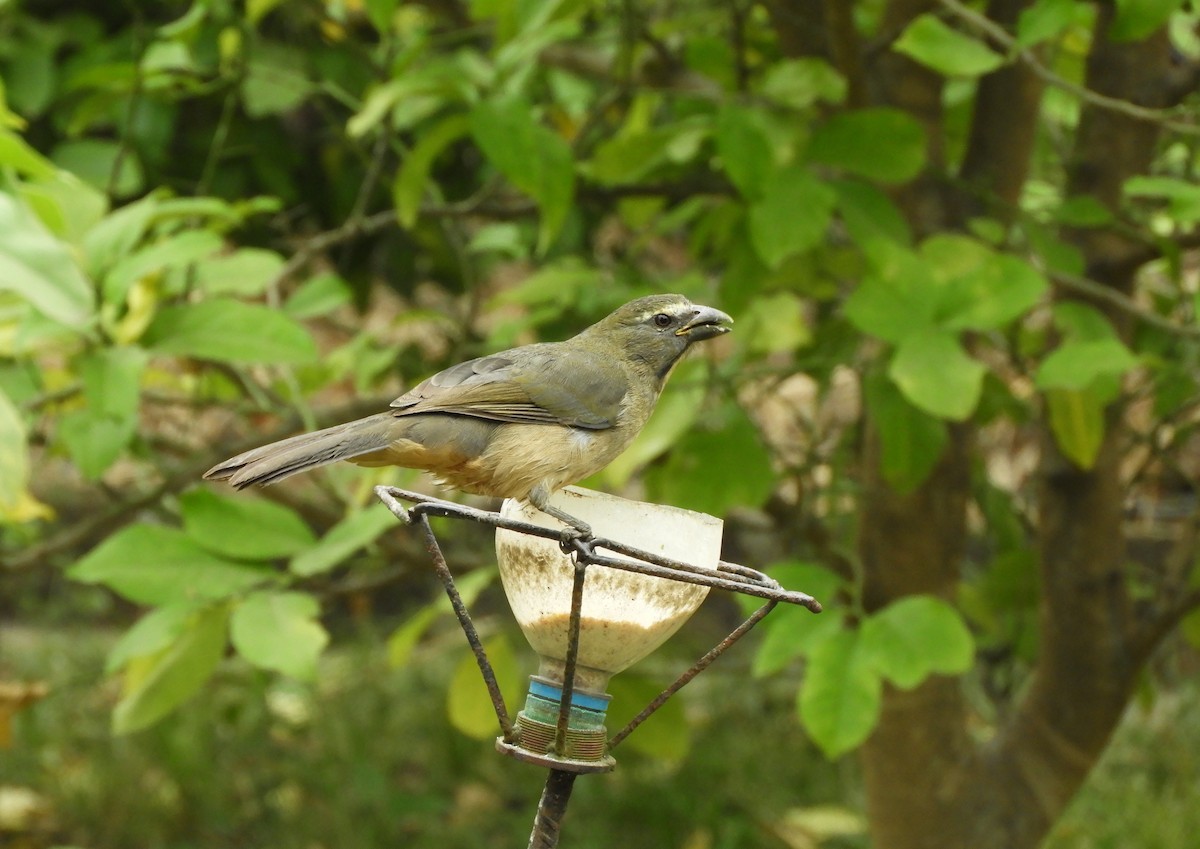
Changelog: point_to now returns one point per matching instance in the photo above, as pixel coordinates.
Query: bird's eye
(662, 320)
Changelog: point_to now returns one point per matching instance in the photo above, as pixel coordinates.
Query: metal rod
(698, 667)
(559, 783)
(464, 620)
(741, 579)
(571, 661)
(547, 823)
(773, 593)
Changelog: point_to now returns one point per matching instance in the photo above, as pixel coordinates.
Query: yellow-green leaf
(158, 683)
(840, 698)
(467, 701)
(1077, 421)
(279, 631)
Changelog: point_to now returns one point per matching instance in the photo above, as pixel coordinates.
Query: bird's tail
(282, 459)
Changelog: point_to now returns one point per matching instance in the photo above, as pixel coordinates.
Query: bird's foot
(575, 541)
(576, 529)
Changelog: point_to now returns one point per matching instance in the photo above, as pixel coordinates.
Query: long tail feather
(279, 460)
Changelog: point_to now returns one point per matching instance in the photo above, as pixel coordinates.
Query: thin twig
(1001, 36)
(107, 520)
(1112, 297)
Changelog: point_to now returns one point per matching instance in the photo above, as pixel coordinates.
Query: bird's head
(657, 330)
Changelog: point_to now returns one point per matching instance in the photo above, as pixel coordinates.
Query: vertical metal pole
(547, 824)
(572, 659)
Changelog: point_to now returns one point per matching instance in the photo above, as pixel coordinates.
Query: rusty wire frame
(728, 576)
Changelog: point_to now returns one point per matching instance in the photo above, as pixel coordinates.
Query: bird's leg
(539, 497)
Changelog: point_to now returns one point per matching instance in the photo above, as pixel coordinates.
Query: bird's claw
(576, 540)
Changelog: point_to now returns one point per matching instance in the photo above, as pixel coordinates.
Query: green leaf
(821, 583)
(666, 736)
(937, 375)
(14, 455)
(1081, 322)
(800, 83)
(775, 323)
(1182, 196)
(381, 13)
(915, 637)
(320, 295)
(1078, 364)
(911, 440)
(93, 161)
(712, 470)
(791, 632)
(96, 435)
(150, 564)
(536, 160)
(881, 144)
(1077, 422)
(357, 530)
(156, 630)
(869, 214)
(409, 189)
(792, 215)
(505, 238)
(39, 268)
(936, 45)
(156, 684)
(894, 300)
(1043, 20)
(1136, 19)
(246, 271)
(243, 528)
(987, 296)
(557, 285)
(403, 641)
(32, 73)
(467, 702)
(176, 251)
(280, 631)
(94, 442)
(1083, 211)
(114, 237)
(112, 381)
(630, 157)
(67, 206)
(745, 149)
(840, 697)
(275, 81)
(229, 331)
(18, 154)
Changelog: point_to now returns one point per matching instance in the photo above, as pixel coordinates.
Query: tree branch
(982, 24)
(1003, 128)
(1151, 635)
(83, 534)
(1122, 302)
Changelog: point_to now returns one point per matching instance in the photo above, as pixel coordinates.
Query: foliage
(212, 217)
(372, 737)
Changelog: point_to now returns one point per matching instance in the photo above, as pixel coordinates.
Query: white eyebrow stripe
(670, 309)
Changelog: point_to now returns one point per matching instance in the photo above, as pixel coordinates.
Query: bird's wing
(551, 383)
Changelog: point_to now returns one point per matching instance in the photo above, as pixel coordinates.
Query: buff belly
(502, 460)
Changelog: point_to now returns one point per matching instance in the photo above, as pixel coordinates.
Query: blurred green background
(959, 406)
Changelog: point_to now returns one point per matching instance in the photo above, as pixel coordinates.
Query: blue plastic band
(554, 693)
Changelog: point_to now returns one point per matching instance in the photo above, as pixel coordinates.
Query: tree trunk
(929, 785)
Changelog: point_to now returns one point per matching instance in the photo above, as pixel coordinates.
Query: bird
(521, 423)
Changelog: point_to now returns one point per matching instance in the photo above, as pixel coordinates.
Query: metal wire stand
(728, 576)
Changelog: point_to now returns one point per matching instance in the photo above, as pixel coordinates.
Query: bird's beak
(705, 323)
